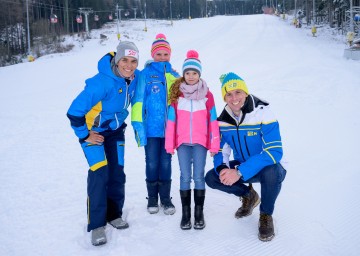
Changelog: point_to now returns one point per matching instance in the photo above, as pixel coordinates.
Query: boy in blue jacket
(148, 117)
(97, 116)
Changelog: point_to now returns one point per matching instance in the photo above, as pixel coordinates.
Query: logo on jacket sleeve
(251, 133)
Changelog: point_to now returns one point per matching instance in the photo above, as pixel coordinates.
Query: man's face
(235, 99)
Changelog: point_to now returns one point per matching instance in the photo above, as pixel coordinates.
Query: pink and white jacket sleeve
(170, 131)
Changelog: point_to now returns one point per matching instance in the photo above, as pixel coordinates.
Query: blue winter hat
(192, 62)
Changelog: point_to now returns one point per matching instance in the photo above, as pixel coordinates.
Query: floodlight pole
(351, 17)
(28, 26)
(134, 12)
(171, 13)
(206, 14)
(189, 11)
(314, 12)
(145, 29)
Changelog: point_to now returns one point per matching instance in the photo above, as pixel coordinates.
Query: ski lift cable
(54, 7)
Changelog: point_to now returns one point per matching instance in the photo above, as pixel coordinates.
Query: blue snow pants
(106, 178)
(270, 179)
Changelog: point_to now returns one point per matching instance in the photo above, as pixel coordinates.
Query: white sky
(312, 89)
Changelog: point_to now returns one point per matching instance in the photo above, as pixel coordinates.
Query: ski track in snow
(312, 89)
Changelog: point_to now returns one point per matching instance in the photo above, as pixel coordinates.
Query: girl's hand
(212, 154)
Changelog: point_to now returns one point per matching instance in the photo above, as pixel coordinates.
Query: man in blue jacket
(250, 131)
(97, 116)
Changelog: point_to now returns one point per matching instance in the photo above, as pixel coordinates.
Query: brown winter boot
(266, 228)
(249, 202)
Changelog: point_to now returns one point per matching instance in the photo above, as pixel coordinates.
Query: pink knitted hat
(160, 43)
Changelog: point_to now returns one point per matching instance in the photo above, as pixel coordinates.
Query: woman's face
(191, 77)
(161, 56)
(235, 99)
(127, 66)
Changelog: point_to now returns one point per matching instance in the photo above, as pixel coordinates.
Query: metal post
(206, 14)
(171, 13)
(314, 12)
(28, 26)
(189, 11)
(134, 12)
(283, 6)
(351, 17)
(145, 29)
(86, 12)
(117, 22)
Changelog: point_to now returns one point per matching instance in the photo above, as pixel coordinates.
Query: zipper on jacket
(191, 112)
(238, 136)
(246, 145)
(234, 144)
(166, 100)
(127, 99)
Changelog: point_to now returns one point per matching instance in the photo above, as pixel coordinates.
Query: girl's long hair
(175, 90)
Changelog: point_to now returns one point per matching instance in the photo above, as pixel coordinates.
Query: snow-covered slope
(313, 91)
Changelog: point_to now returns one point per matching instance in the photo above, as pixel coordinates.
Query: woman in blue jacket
(250, 131)
(97, 116)
(148, 117)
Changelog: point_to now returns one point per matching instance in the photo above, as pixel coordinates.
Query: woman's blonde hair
(175, 90)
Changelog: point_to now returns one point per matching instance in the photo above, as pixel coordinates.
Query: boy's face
(127, 66)
(161, 56)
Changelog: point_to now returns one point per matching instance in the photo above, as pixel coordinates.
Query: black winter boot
(199, 198)
(266, 227)
(153, 191)
(186, 209)
(165, 199)
(249, 202)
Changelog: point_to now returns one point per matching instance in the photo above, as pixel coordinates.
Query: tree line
(49, 19)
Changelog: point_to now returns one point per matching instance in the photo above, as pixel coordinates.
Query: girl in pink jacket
(192, 129)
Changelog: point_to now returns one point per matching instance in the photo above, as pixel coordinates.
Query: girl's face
(191, 77)
(127, 66)
(235, 100)
(161, 56)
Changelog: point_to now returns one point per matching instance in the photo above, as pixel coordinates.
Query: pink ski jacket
(192, 122)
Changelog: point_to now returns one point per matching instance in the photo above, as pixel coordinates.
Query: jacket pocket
(121, 152)
(95, 155)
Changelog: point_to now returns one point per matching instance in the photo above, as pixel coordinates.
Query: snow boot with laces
(266, 227)
(249, 202)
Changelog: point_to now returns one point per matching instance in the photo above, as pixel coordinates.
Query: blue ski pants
(106, 178)
(270, 179)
